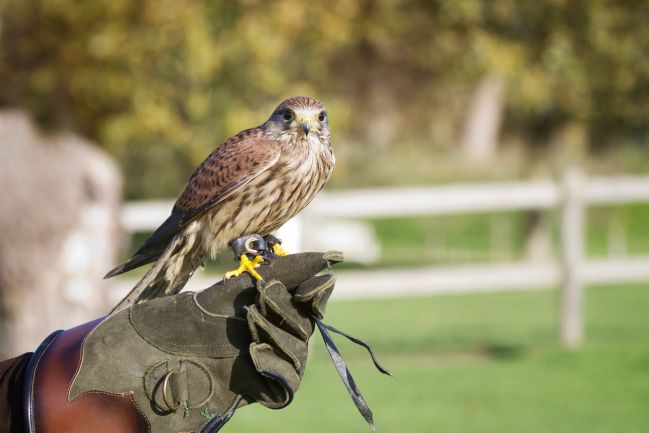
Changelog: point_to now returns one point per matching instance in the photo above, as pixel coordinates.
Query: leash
(343, 371)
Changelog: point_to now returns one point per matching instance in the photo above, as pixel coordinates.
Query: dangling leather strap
(343, 371)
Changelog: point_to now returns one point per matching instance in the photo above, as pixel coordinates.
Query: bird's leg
(245, 265)
(253, 245)
(279, 250)
(275, 245)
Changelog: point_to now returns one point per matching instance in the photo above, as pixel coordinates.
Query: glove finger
(281, 377)
(314, 293)
(285, 344)
(295, 268)
(275, 303)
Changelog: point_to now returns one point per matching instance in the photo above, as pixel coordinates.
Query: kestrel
(252, 183)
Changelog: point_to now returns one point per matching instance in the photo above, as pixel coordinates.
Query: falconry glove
(183, 363)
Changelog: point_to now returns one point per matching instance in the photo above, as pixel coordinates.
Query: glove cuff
(50, 374)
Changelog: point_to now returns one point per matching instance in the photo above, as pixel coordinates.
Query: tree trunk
(59, 200)
(485, 118)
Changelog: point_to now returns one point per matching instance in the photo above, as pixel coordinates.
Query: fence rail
(571, 195)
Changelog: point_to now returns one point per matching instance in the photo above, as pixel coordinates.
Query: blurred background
(491, 190)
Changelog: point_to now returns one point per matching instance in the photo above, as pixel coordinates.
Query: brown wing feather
(235, 163)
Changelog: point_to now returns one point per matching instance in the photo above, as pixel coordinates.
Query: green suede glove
(190, 360)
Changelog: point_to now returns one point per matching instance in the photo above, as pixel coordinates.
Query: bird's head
(299, 117)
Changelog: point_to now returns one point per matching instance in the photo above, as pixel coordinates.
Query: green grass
(458, 238)
(484, 362)
(478, 363)
(501, 236)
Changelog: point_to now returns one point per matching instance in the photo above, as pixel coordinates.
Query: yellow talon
(279, 250)
(246, 266)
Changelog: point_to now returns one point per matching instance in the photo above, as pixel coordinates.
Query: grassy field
(501, 236)
(478, 363)
(484, 362)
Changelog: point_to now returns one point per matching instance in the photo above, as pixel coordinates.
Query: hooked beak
(306, 127)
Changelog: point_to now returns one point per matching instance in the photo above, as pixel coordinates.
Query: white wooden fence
(571, 195)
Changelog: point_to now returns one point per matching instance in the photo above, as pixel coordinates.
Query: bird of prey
(252, 183)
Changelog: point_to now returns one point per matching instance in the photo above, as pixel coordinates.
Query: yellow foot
(246, 266)
(279, 250)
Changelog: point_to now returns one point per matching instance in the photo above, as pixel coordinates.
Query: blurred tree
(59, 200)
(160, 83)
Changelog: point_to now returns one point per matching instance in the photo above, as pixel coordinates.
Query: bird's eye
(287, 115)
(322, 116)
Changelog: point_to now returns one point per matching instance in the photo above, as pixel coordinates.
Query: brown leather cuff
(47, 383)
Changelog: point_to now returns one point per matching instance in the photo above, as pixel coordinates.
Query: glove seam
(208, 313)
(181, 346)
(80, 360)
(283, 349)
(294, 327)
(276, 377)
(315, 293)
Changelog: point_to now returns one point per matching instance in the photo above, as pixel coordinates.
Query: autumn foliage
(160, 83)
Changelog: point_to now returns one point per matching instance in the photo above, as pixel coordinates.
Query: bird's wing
(235, 163)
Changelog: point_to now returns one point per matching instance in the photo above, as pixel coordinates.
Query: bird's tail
(169, 274)
(134, 262)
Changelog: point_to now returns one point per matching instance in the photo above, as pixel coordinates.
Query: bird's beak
(305, 125)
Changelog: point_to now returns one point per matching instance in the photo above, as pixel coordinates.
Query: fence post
(572, 256)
